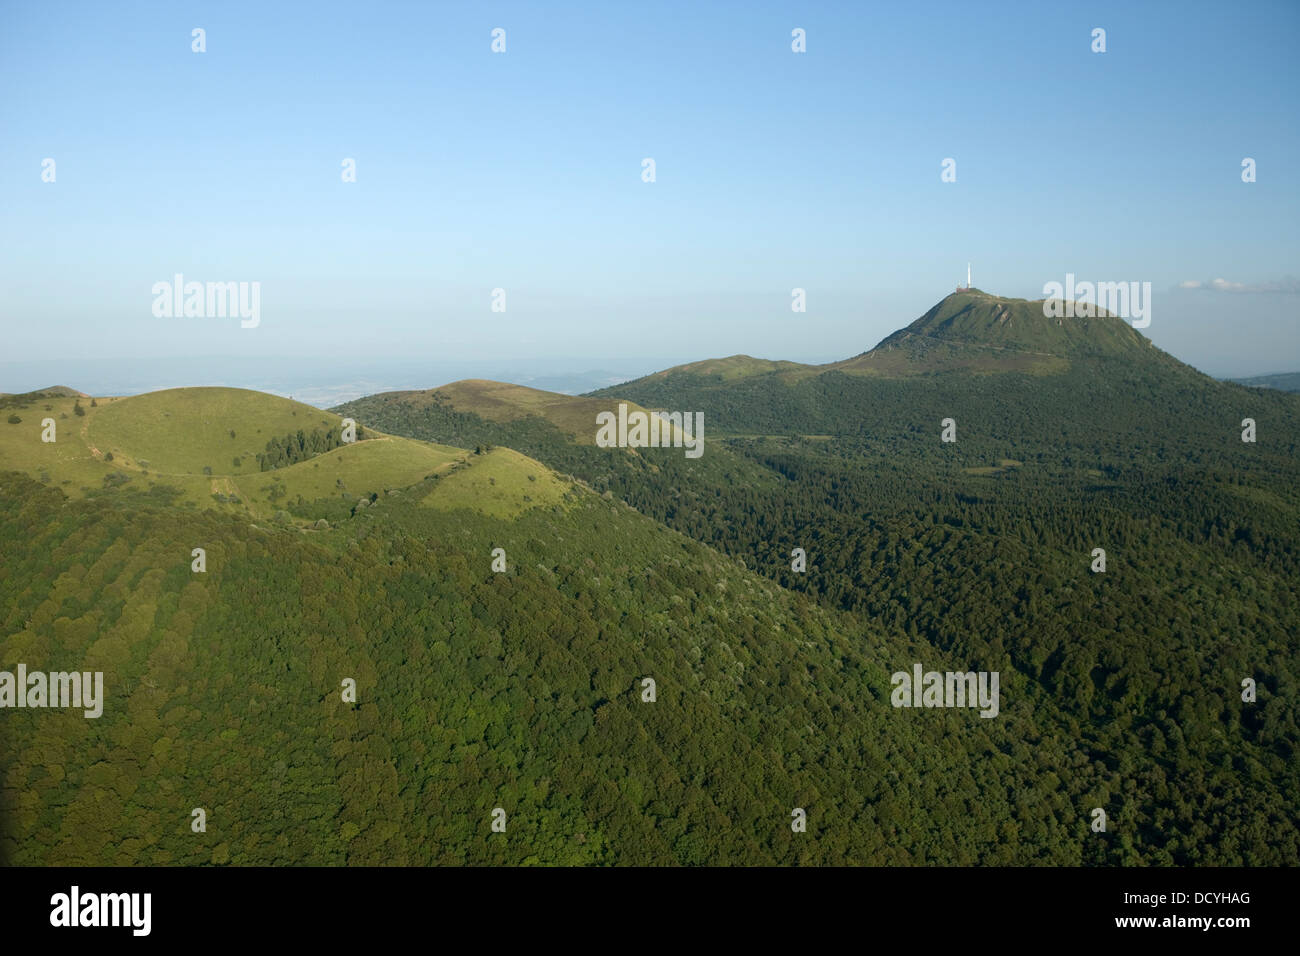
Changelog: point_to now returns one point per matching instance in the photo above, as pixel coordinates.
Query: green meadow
(200, 446)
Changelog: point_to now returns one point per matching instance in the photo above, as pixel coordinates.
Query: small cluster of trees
(291, 449)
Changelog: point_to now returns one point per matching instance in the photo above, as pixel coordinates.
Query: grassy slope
(501, 483)
(180, 431)
(740, 366)
(68, 461)
(168, 437)
(371, 466)
(502, 402)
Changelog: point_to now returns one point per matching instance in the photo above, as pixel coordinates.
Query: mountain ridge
(969, 329)
(255, 453)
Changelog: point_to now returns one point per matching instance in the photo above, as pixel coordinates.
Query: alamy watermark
(946, 689)
(1127, 300)
(56, 689)
(76, 908)
(208, 300)
(650, 430)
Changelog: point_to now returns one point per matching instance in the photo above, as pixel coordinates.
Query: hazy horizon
(478, 172)
(327, 381)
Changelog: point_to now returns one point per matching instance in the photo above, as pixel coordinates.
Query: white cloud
(1287, 286)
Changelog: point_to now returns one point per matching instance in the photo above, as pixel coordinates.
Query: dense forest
(983, 548)
(522, 690)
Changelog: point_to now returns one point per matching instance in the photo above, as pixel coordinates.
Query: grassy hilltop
(201, 446)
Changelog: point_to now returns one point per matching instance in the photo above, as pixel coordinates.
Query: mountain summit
(975, 318)
(972, 330)
(968, 330)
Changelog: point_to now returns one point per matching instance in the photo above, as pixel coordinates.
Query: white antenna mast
(968, 275)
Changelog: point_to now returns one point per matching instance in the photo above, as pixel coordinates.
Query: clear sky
(523, 170)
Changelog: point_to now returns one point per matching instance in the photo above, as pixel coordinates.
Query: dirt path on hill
(224, 486)
(85, 438)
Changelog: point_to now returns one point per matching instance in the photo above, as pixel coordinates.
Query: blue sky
(522, 171)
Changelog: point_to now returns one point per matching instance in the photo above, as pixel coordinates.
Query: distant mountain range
(57, 391)
(1286, 381)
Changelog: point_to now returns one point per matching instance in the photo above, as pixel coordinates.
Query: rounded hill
(185, 430)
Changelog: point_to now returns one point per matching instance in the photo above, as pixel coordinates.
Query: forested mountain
(500, 588)
(523, 690)
(1068, 439)
(968, 330)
